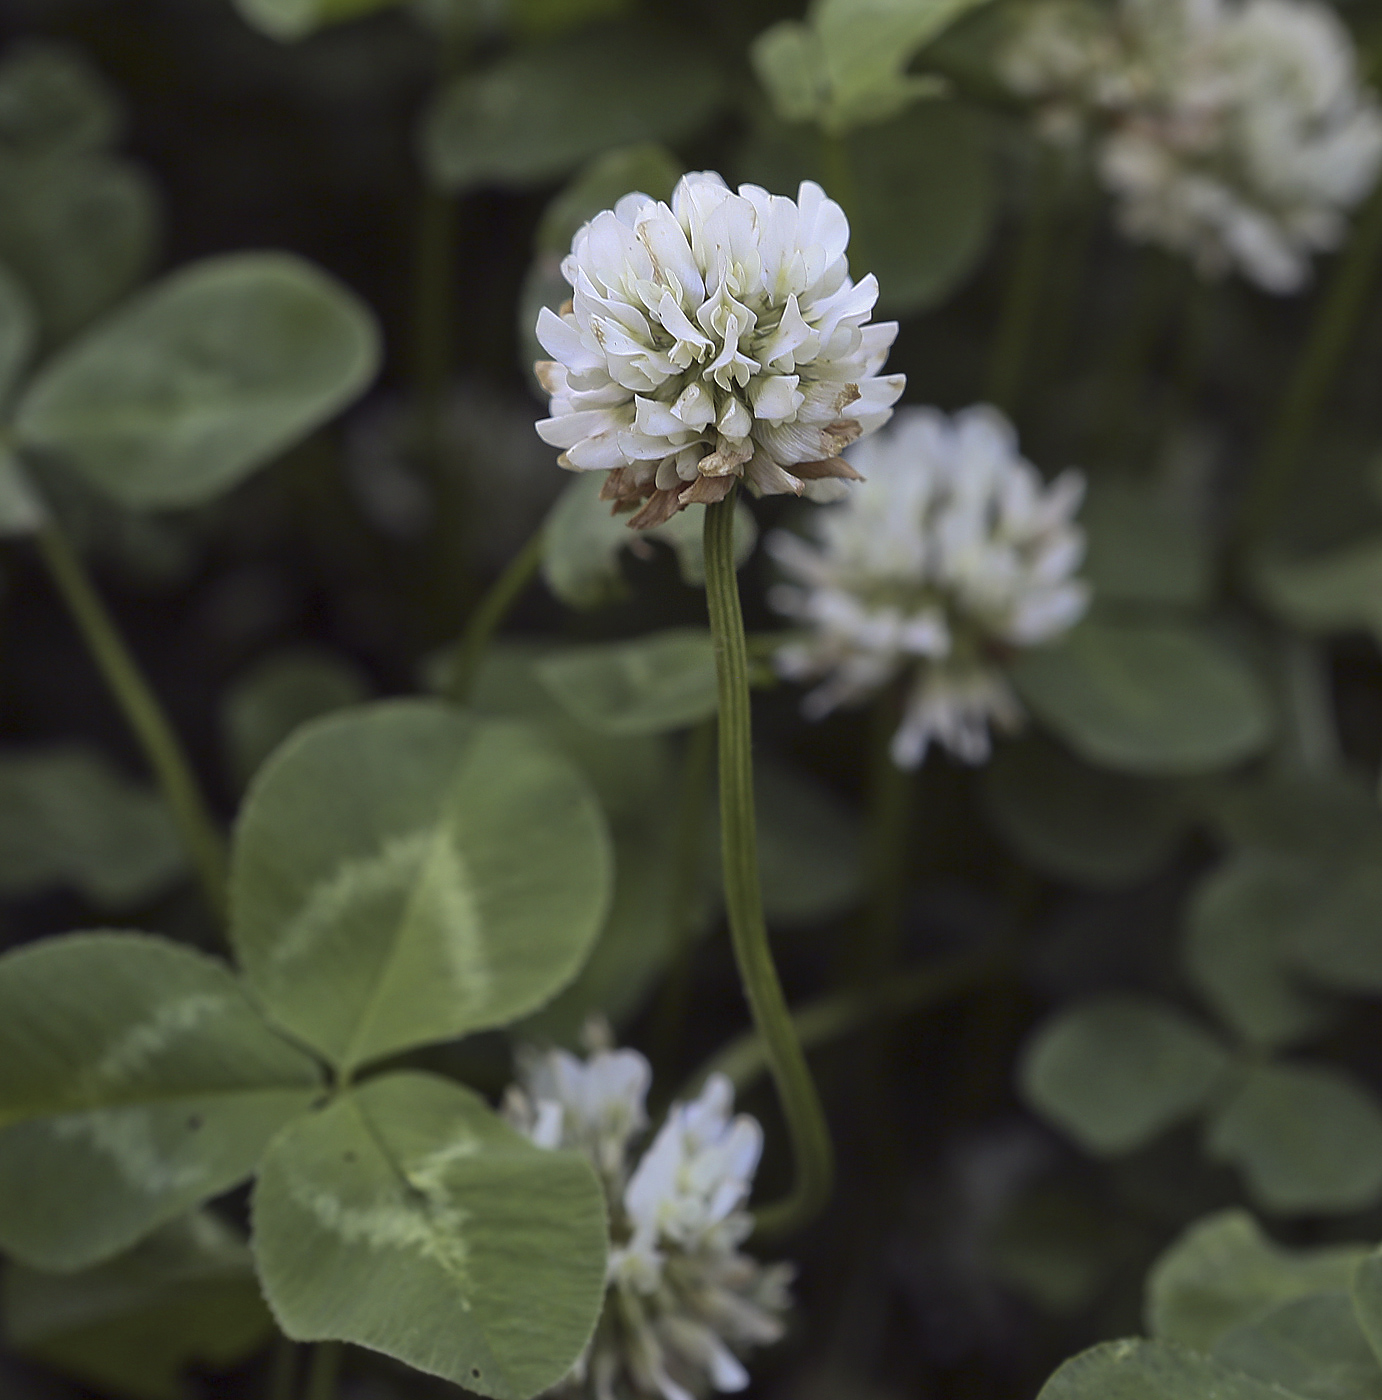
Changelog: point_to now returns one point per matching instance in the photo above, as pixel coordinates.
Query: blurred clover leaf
(1118, 1070)
(295, 19)
(18, 331)
(1078, 823)
(646, 686)
(68, 818)
(1337, 592)
(535, 115)
(54, 103)
(845, 65)
(140, 1081)
(1143, 549)
(405, 873)
(410, 1188)
(185, 1295)
(1224, 1272)
(582, 544)
(1154, 698)
(202, 378)
(1135, 1369)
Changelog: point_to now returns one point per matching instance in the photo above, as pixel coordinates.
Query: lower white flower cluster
(684, 1302)
(1237, 132)
(949, 555)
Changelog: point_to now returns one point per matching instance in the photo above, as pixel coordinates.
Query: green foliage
(68, 818)
(406, 873)
(409, 1219)
(1153, 698)
(650, 685)
(1241, 921)
(1142, 549)
(1224, 1273)
(277, 695)
(920, 248)
(18, 328)
(21, 510)
(1334, 1167)
(1339, 942)
(295, 19)
(582, 543)
(527, 119)
(1336, 592)
(845, 65)
(1116, 1071)
(1367, 1298)
(79, 232)
(1311, 1346)
(1142, 1370)
(648, 168)
(627, 774)
(1077, 823)
(140, 1081)
(209, 374)
(130, 1327)
(53, 103)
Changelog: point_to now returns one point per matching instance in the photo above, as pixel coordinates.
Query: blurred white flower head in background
(950, 555)
(1235, 132)
(714, 338)
(684, 1302)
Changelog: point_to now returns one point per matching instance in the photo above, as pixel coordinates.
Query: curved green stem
(1331, 333)
(143, 713)
(1023, 299)
(830, 1018)
(801, 1104)
(489, 616)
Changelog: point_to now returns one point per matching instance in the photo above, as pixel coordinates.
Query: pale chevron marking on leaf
(126, 1136)
(390, 871)
(135, 1047)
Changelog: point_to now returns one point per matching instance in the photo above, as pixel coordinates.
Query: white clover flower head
(951, 555)
(713, 339)
(1235, 132)
(684, 1302)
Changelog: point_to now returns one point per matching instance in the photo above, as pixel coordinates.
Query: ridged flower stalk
(801, 1104)
(143, 713)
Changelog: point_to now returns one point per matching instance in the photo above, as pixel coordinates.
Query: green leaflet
(845, 65)
(54, 103)
(1333, 1166)
(647, 686)
(1241, 924)
(208, 374)
(1367, 1299)
(1312, 1346)
(1144, 550)
(296, 19)
(408, 1218)
(68, 818)
(1116, 1071)
(1340, 943)
(405, 873)
(78, 231)
(281, 692)
(1141, 1370)
(1078, 823)
(1336, 592)
(129, 1327)
(139, 1081)
(529, 118)
(1150, 698)
(1224, 1272)
(582, 543)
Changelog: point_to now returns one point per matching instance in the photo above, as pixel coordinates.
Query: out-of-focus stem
(801, 1103)
(143, 713)
(1331, 333)
(831, 1018)
(892, 792)
(489, 616)
(323, 1372)
(1012, 345)
(282, 1369)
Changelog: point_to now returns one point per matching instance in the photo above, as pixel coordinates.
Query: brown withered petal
(706, 490)
(661, 507)
(830, 466)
